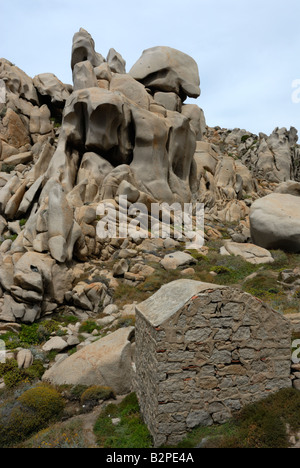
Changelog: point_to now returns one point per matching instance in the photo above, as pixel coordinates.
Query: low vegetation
(265, 424)
(44, 413)
(13, 376)
(33, 410)
(263, 281)
(127, 430)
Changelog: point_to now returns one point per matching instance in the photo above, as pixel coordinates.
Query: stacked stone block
(203, 352)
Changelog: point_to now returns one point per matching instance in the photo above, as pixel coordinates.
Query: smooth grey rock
(24, 358)
(83, 49)
(84, 76)
(120, 268)
(176, 260)
(128, 190)
(250, 252)
(55, 344)
(167, 69)
(171, 101)
(18, 82)
(116, 61)
(132, 89)
(20, 158)
(2, 92)
(105, 362)
(290, 187)
(48, 84)
(275, 222)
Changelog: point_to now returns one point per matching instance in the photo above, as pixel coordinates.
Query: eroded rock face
(83, 49)
(35, 285)
(17, 82)
(121, 134)
(47, 84)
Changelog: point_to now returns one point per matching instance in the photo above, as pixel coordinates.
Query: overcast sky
(248, 51)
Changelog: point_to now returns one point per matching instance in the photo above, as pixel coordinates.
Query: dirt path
(88, 421)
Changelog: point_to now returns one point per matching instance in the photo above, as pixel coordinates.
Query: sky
(247, 51)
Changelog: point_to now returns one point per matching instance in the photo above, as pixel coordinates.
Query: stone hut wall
(202, 353)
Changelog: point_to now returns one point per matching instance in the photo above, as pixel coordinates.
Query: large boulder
(48, 85)
(169, 70)
(251, 253)
(106, 362)
(275, 222)
(83, 49)
(17, 82)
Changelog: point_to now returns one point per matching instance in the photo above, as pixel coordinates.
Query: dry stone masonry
(203, 352)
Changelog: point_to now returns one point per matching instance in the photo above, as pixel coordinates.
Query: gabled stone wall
(203, 352)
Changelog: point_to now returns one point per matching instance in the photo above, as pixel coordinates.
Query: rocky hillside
(64, 149)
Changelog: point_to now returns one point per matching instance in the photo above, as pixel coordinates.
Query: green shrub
(22, 222)
(11, 340)
(245, 138)
(197, 255)
(31, 412)
(37, 333)
(13, 376)
(72, 392)
(8, 366)
(29, 334)
(264, 285)
(35, 371)
(221, 270)
(44, 400)
(8, 168)
(89, 326)
(94, 394)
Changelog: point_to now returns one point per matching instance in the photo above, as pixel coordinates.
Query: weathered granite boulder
(169, 70)
(275, 222)
(116, 62)
(274, 157)
(290, 187)
(251, 253)
(107, 362)
(36, 283)
(176, 260)
(49, 86)
(83, 49)
(18, 82)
